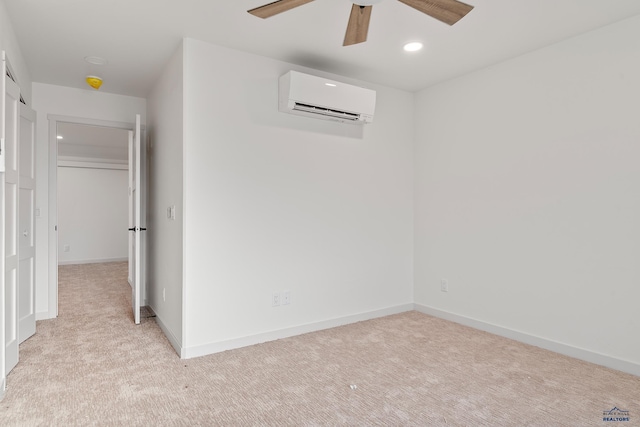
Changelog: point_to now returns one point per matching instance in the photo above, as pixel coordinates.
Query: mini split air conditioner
(326, 99)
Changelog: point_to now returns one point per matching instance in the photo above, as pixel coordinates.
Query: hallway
(83, 367)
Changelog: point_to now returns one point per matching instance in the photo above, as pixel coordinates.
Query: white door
(132, 220)
(26, 219)
(3, 375)
(11, 224)
(136, 225)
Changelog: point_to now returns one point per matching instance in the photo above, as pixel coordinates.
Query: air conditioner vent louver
(321, 98)
(325, 111)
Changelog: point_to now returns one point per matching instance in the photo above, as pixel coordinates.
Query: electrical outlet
(275, 299)
(286, 298)
(444, 285)
(164, 295)
(67, 248)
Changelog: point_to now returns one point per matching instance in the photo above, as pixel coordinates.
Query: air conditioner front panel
(317, 96)
(325, 111)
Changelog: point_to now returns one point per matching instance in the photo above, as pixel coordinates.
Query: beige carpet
(93, 366)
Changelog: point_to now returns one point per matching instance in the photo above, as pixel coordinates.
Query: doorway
(92, 194)
(88, 181)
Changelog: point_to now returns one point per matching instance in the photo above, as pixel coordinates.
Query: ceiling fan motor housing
(365, 2)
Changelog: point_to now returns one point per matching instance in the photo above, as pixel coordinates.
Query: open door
(26, 219)
(10, 259)
(136, 220)
(3, 373)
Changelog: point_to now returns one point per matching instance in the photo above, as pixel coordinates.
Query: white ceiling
(138, 37)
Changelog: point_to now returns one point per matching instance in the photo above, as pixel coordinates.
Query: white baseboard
(3, 388)
(175, 343)
(216, 347)
(567, 350)
(92, 261)
(44, 315)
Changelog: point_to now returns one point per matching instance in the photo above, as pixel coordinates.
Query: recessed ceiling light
(96, 60)
(413, 46)
(330, 84)
(59, 136)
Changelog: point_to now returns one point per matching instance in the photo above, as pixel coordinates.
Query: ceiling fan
(447, 11)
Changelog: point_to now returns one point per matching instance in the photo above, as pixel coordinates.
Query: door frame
(3, 77)
(6, 72)
(27, 247)
(54, 119)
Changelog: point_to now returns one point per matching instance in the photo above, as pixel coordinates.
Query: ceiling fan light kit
(447, 11)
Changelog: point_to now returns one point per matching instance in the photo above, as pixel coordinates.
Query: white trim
(557, 347)
(53, 220)
(3, 89)
(54, 119)
(93, 160)
(92, 122)
(175, 343)
(87, 165)
(92, 261)
(216, 347)
(43, 315)
(90, 163)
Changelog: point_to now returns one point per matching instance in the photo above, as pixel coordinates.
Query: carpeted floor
(93, 366)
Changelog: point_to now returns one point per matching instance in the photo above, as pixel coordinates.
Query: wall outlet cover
(275, 299)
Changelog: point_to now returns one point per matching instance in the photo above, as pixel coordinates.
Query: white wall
(92, 215)
(64, 101)
(9, 44)
(276, 202)
(527, 194)
(165, 236)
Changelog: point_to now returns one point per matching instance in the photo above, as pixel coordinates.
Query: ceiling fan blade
(276, 7)
(447, 11)
(358, 26)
